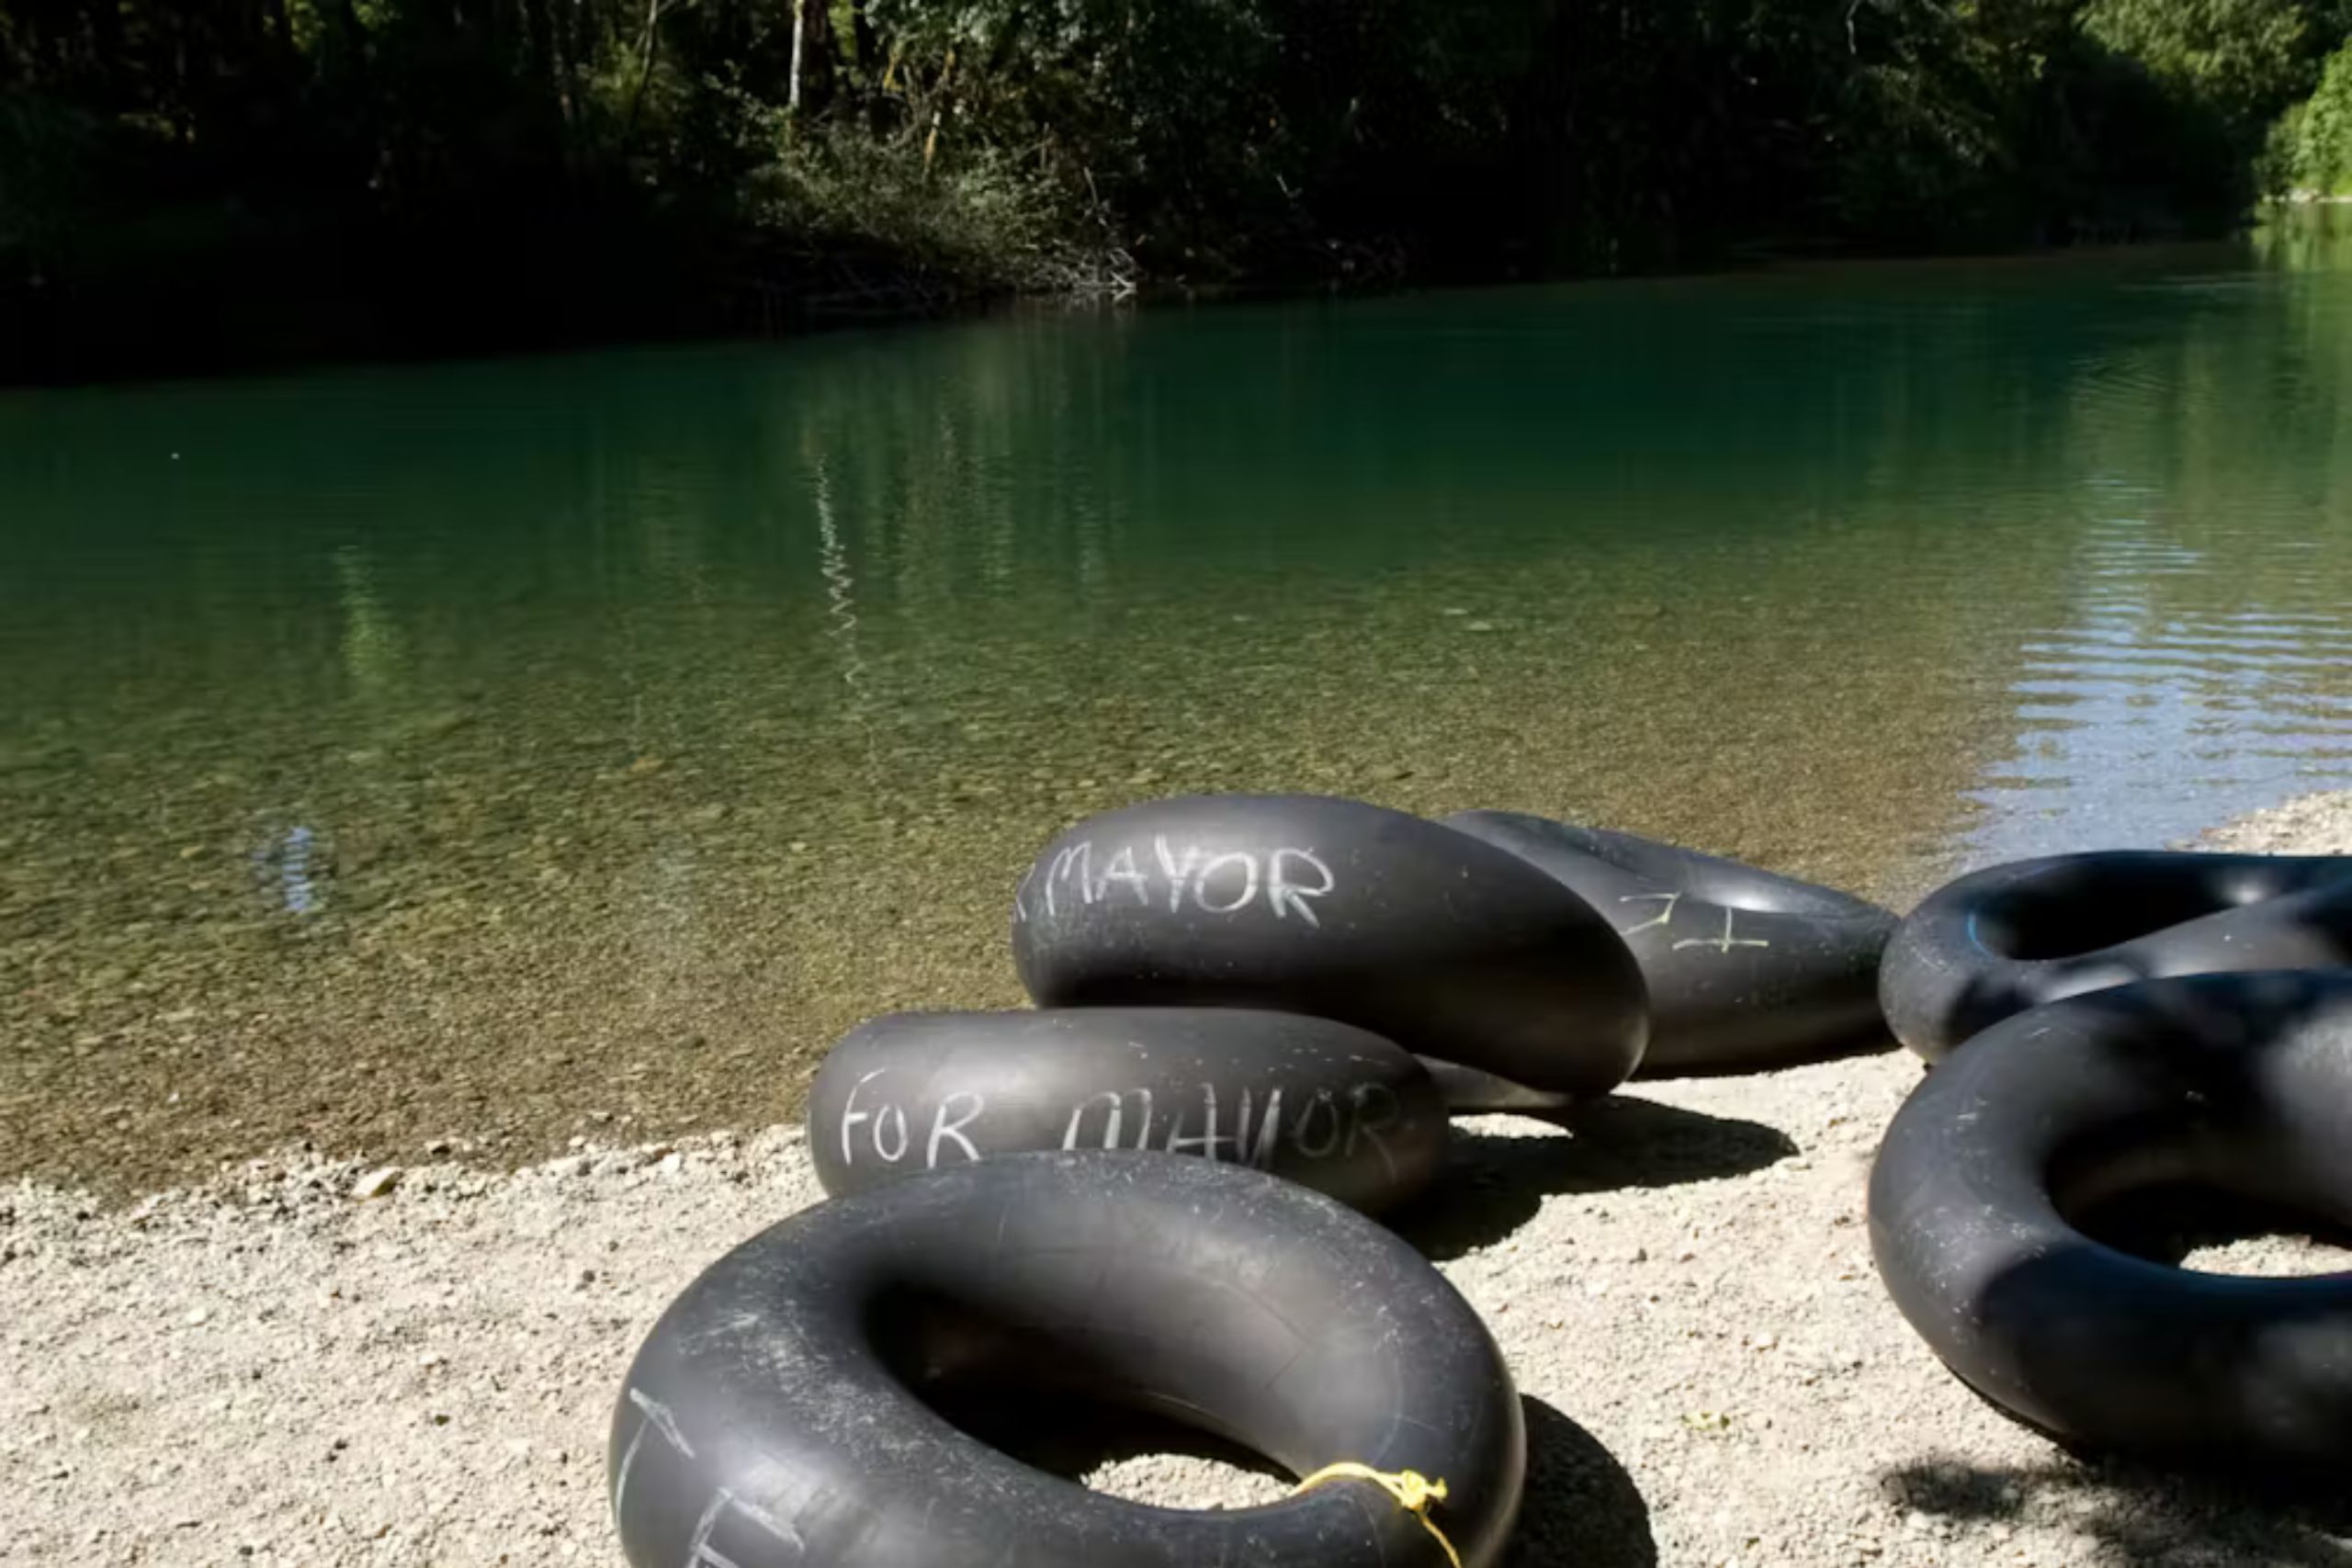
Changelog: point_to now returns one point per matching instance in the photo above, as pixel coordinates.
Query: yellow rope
(1413, 1491)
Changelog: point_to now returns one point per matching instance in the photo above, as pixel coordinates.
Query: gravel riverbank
(272, 1367)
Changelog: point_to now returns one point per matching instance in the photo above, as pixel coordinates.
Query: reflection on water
(2205, 663)
(2135, 720)
(481, 750)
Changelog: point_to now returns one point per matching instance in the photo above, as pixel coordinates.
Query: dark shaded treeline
(205, 183)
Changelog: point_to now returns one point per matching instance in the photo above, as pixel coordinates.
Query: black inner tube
(1450, 947)
(2016, 936)
(2089, 902)
(795, 1392)
(1710, 879)
(1995, 1197)
(1318, 1101)
(1745, 969)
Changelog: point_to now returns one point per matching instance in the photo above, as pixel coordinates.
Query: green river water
(501, 751)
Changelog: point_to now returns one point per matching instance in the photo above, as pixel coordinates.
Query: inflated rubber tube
(776, 1415)
(1313, 1100)
(2236, 1082)
(1447, 946)
(1745, 969)
(2016, 936)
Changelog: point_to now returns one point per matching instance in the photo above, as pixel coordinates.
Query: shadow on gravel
(1491, 1185)
(1874, 1043)
(1582, 1510)
(2133, 1516)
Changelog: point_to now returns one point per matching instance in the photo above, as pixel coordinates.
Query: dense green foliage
(194, 178)
(2311, 149)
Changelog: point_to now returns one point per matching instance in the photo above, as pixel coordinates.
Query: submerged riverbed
(503, 753)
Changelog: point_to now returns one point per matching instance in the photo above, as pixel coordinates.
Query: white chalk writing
(1077, 857)
(1328, 1124)
(1269, 1128)
(700, 1554)
(888, 1118)
(1725, 942)
(656, 1418)
(1248, 865)
(852, 1115)
(941, 1127)
(1330, 1140)
(1122, 869)
(1289, 896)
(884, 1120)
(1285, 881)
(1208, 1140)
(1116, 1104)
(1664, 916)
(1177, 873)
(1367, 1126)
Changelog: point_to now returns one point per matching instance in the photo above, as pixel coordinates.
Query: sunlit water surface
(499, 751)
